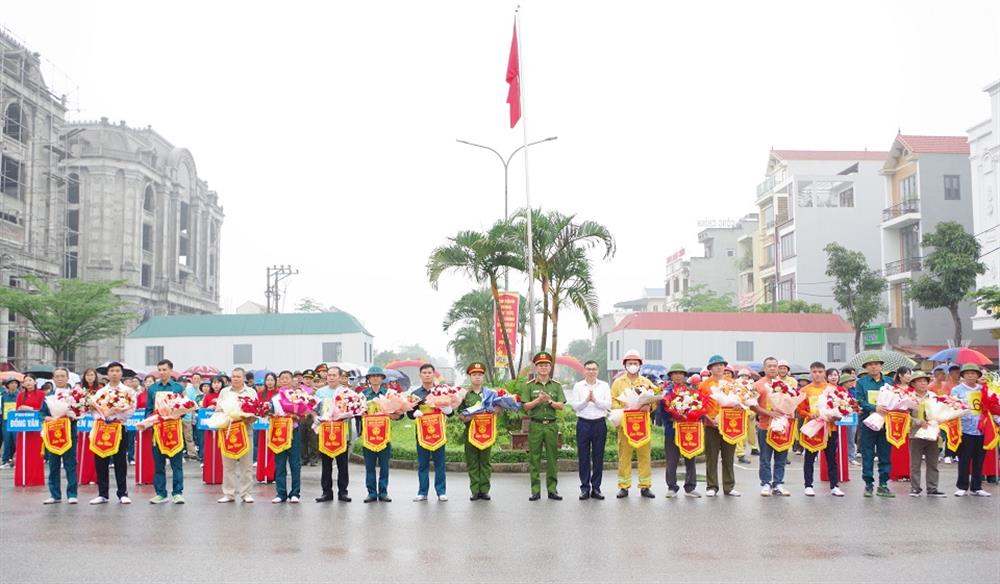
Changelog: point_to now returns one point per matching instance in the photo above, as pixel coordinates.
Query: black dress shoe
(474, 497)
(324, 498)
(622, 493)
(555, 496)
(535, 497)
(647, 494)
(595, 494)
(343, 498)
(484, 496)
(385, 499)
(371, 499)
(584, 495)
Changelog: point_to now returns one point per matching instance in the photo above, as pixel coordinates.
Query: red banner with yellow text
(333, 437)
(506, 308)
(483, 430)
(105, 438)
(689, 438)
(56, 436)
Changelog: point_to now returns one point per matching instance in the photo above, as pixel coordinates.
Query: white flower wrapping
(631, 400)
(936, 413)
(784, 405)
(227, 410)
(813, 427)
(890, 399)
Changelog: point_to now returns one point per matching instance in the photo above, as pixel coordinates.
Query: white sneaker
(670, 494)
(125, 500)
(981, 493)
(734, 493)
(293, 499)
(51, 501)
(277, 500)
(226, 499)
(248, 499)
(810, 492)
(961, 493)
(692, 494)
(72, 500)
(781, 490)
(131, 462)
(255, 464)
(98, 501)
(765, 491)
(443, 498)
(711, 493)
(419, 498)
(947, 460)
(836, 492)
(5, 466)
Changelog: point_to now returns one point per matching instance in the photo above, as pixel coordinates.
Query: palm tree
(571, 282)
(481, 256)
(557, 239)
(474, 310)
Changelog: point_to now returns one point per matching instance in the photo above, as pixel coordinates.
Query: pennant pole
(527, 183)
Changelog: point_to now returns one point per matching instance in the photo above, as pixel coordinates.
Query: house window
(13, 123)
(908, 188)
(730, 252)
(847, 197)
(677, 285)
(952, 187)
(744, 350)
(149, 199)
(146, 278)
(786, 289)
(10, 178)
(769, 255)
(154, 354)
(73, 189)
(836, 352)
(768, 216)
(787, 245)
(242, 354)
(71, 265)
(72, 227)
(185, 219)
(11, 344)
(147, 237)
(654, 349)
(334, 352)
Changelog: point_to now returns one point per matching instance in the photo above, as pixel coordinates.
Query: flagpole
(527, 182)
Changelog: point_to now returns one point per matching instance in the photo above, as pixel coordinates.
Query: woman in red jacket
(265, 458)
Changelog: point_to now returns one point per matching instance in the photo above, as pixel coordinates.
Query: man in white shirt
(591, 401)
(237, 474)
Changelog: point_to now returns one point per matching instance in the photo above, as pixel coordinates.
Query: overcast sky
(329, 131)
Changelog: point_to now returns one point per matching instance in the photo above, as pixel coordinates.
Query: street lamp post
(506, 165)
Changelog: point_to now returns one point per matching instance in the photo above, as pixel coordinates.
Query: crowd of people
(690, 409)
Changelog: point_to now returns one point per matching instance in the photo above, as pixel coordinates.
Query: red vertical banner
(507, 308)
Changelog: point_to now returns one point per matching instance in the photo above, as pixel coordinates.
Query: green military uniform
(477, 461)
(543, 430)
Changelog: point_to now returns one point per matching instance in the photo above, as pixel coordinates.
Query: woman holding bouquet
(85, 470)
(714, 444)
(809, 409)
(899, 461)
(264, 457)
(633, 382)
(237, 474)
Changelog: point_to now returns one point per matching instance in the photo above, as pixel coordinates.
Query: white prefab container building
(253, 341)
(691, 338)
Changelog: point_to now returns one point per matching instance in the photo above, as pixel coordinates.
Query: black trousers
(121, 472)
(970, 453)
(326, 474)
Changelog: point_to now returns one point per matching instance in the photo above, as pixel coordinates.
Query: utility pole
(275, 274)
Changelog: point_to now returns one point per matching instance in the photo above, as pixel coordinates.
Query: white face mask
(633, 369)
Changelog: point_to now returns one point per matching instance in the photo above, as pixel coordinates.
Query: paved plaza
(509, 539)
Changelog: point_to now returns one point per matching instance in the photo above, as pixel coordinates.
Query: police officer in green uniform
(476, 460)
(543, 398)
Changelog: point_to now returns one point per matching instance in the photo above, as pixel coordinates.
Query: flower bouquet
(783, 399)
(735, 394)
(169, 406)
(632, 399)
(685, 404)
(68, 403)
(445, 397)
(231, 408)
(493, 399)
(938, 410)
(892, 398)
(114, 402)
(834, 404)
(293, 402)
(394, 402)
(346, 404)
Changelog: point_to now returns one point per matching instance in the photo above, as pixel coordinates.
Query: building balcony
(901, 214)
(903, 267)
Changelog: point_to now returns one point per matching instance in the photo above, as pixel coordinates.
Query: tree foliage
(69, 313)
(699, 298)
(794, 306)
(857, 288)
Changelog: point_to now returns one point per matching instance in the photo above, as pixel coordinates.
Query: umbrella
(961, 355)
(8, 375)
(203, 370)
(892, 360)
(755, 366)
(399, 377)
(40, 371)
(126, 370)
(653, 372)
(258, 376)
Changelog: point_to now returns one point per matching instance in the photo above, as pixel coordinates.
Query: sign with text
(24, 421)
(507, 308)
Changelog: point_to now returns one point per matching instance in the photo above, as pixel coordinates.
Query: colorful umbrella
(891, 360)
(203, 370)
(961, 355)
(8, 375)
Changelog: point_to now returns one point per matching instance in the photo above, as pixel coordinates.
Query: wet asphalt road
(750, 539)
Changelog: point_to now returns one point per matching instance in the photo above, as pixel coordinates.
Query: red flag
(514, 80)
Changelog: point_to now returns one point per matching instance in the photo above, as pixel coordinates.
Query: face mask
(633, 369)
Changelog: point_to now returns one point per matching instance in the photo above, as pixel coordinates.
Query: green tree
(857, 288)
(402, 353)
(584, 350)
(474, 339)
(309, 305)
(989, 300)
(482, 257)
(699, 298)
(951, 271)
(69, 313)
(573, 285)
(793, 306)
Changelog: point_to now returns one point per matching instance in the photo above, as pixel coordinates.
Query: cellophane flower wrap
(834, 404)
(72, 403)
(892, 398)
(734, 394)
(344, 405)
(169, 406)
(114, 403)
(783, 399)
(445, 397)
(232, 407)
(632, 398)
(394, 402)
(293, 402)
(493, 399)
(685, 404)
(939, 409)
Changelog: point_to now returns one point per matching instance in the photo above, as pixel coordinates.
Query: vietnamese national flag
(514, 80)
